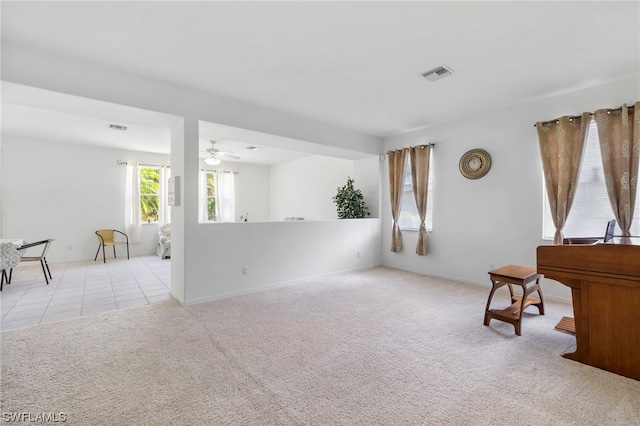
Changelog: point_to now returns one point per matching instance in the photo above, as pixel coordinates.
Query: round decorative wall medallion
(475, 163)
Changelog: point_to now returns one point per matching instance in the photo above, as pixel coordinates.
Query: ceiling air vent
(437, 73)
(118, 127)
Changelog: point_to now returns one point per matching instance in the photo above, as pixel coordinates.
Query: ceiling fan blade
(216, 153)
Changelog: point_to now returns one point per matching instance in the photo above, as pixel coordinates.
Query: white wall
(252, 189)
(277, 253)
(300, 188)
(367, 178)
(305, 187)
(67, 192)
(191, 270)
(496, 219)
(178, 216)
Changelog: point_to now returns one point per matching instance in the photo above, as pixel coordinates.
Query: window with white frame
(211, 197)
(591, 209)
(149, 194)
(216, 199)
(409, 218)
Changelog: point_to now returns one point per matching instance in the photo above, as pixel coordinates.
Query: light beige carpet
(380, 347)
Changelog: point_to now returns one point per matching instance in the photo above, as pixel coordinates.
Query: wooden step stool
(529, 280)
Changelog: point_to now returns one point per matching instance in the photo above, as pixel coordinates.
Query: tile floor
(82, 288)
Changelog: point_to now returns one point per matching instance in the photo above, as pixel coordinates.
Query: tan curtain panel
(420, 156)
(561, 149)
(397, 162)
(619, 134)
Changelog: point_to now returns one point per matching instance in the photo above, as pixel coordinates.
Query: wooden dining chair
(111, 237)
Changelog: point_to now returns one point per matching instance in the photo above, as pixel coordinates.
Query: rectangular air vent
(118, 127)
(437, 73)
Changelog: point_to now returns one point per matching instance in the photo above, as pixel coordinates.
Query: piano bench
(510, 275)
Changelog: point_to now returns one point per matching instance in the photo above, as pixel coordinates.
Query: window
(149, 194)
(591, 209)
(216, 199)
(409, 218)
(211, 197)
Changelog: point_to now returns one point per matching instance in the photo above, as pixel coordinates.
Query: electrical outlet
(358, 254)
(245, 271)
(492, 266)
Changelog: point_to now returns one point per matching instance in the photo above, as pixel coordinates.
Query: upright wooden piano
(605, 288)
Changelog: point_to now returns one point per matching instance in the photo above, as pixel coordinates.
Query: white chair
(42, 257)
(164, 241)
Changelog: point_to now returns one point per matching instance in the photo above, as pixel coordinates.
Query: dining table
(15, 241)
(9, 257)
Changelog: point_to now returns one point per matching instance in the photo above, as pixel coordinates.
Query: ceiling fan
(214, 156)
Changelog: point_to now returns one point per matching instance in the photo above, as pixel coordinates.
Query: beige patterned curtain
(619, 133)
(561, 148)
(420, 156)
(397, 162)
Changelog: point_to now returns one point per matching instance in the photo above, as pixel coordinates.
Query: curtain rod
(544, 123)
(384, 155)
(432, 144)
(124, 163)
(223, 171)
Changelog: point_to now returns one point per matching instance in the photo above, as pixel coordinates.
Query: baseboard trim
(360, 268)
(486, 284)
(179, 299)
(274, 285)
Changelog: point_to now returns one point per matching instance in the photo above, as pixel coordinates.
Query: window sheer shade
(409, 218)
(591, 208)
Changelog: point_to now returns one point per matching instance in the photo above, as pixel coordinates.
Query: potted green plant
(350, 202)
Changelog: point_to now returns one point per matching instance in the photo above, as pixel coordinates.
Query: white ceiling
(355, 65)
(44, 115)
